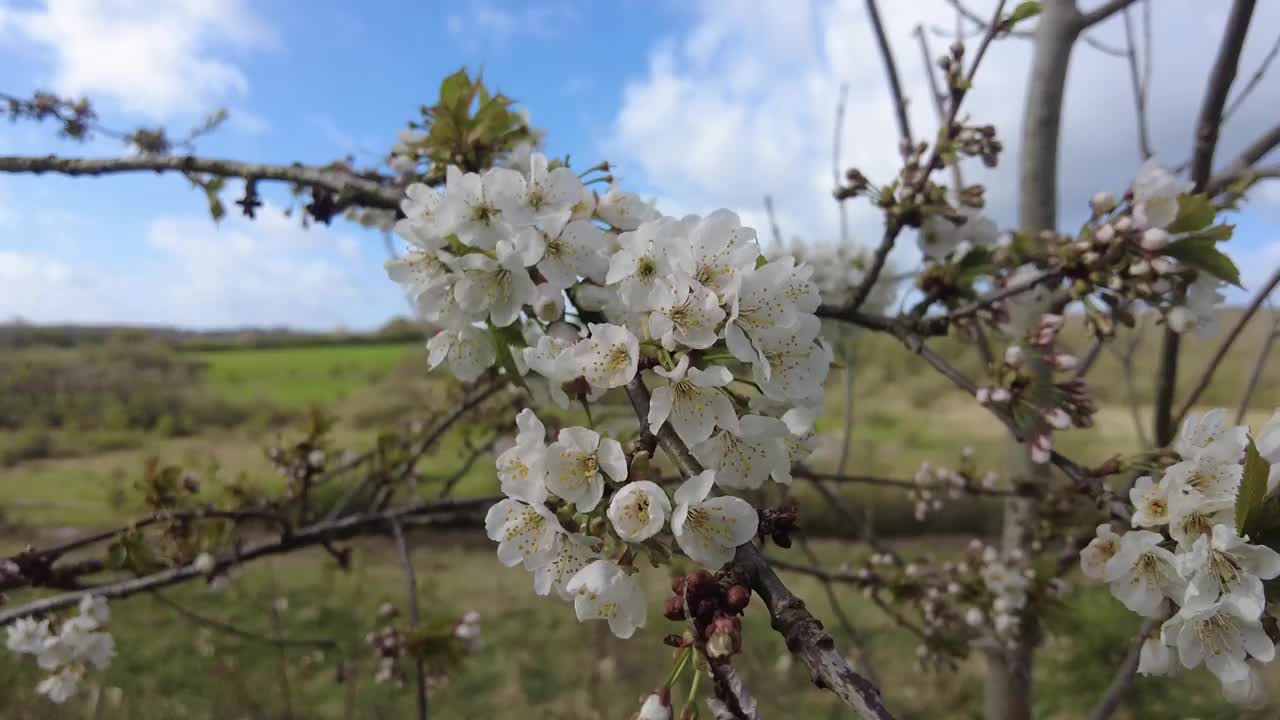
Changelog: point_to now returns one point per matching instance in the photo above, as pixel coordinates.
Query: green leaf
(1215, 233)
(453, 89)
(1024, 11)
(1195, 212)
(1253, 489)
(1201, 254)
(503, 340)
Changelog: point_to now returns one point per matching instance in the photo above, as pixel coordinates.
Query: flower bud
(203, 563)
(1124, 224)
(1180, 320)
(1105, 234)
(983, 395)
(1139, 268)
(737, 598)
(1103, 203)
(1154, 239)
(1065, 361)
(1013, 356)
(674, 608)
(1163, 265)
(1001, 395)
(701, 584)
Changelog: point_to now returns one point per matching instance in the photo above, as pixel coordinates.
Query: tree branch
(1258, 366)
(1102, 12)
(1225, 346)
(802, 632)
(354, 190)
(891, 70)
(451, 513)
(1123, 680)
(1221, 77)
(411, 593)
(1139, 89)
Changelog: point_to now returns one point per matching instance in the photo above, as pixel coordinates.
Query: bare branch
(837, 162)
(449, 513)
(1123, 680)
(1227, 342)
(1139, 89)
(411, 593)
(1221, 77)
(1102, 12)
(355, 190)
(802, 632)
(1258, 366)
(1253, 82)
(957, 178)
(899, 483)
(891, 69)
(982, 24)
(241, 633)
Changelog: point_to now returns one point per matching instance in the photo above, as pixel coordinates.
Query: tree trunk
(1009, 684)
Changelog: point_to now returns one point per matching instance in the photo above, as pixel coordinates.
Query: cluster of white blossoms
(66, 654)
(1186, 549)
(838, 271)
(589, 293)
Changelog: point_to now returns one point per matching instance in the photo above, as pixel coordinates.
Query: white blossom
(1155, 195)
(1192, 515)
(1142, 574)
(522, 468)
(569, 554)
(639, 510)
(1150, 502)
(719, 250)
(1199, 310)
(1210, 434)
(939, 237)
(545, 199)
(578, 250)
(468, 351)
(609, 357)
(60, 686)
(644, 267)
(1155, 658)
(624, 210)
(1223, 564)
(691, 318)
(1268, 444)
(1222, 635)
(792, 363)
(501, 286)
(709, 530)
(574, 464)
(691, 400)
(26, 635)
(654, 708)
(604, 591)
(1101, 548)
(473, 204)
(524, 532)
(771, 297)
(745, 458)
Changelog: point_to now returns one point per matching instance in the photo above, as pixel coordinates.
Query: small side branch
(411, 593)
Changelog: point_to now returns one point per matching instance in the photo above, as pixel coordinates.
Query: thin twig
(1122, 682)
(773, 221)
(891, 70)
(1227, 342)
(1102, 12)
(1258, 366)
(1139, 89)
(1221, 77)
(837, 163)
(1253, 81)
(411, 591)
(229, 629)
(957, 177)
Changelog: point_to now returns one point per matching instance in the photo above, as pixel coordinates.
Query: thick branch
(354, 190)
(1215, 97)
(802, 632)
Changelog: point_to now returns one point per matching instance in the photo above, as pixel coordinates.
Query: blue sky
(702, 104)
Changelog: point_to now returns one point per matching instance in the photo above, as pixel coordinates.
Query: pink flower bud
(1105, 234)
(1163, 265)
(984, 395)
(1065, 361)
(1057, 418)
(1001, 395)
(1124, 224)
(1041, 449)
(1139, 268)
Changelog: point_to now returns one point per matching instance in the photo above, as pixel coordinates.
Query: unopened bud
(737, 598)
(1001, 395)
(1154, 239)
(1139, 268)
(1103, 203)
(1013, 356)
(674, 608)
(1105, 234)
(720, 645)
(1124, 224)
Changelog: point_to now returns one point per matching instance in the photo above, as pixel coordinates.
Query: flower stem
(681, 662)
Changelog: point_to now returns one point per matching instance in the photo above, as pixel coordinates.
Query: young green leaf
(503, 340)
(1195, 212)
(1253, 489)
(1201, 254)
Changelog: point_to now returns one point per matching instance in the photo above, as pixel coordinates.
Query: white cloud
(489, 24)
(742, 103)
(154, 58)
(268, 271)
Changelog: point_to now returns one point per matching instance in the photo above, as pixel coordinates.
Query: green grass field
(539, 662)
(293, 378)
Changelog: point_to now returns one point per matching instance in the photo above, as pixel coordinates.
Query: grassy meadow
(72, 448)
